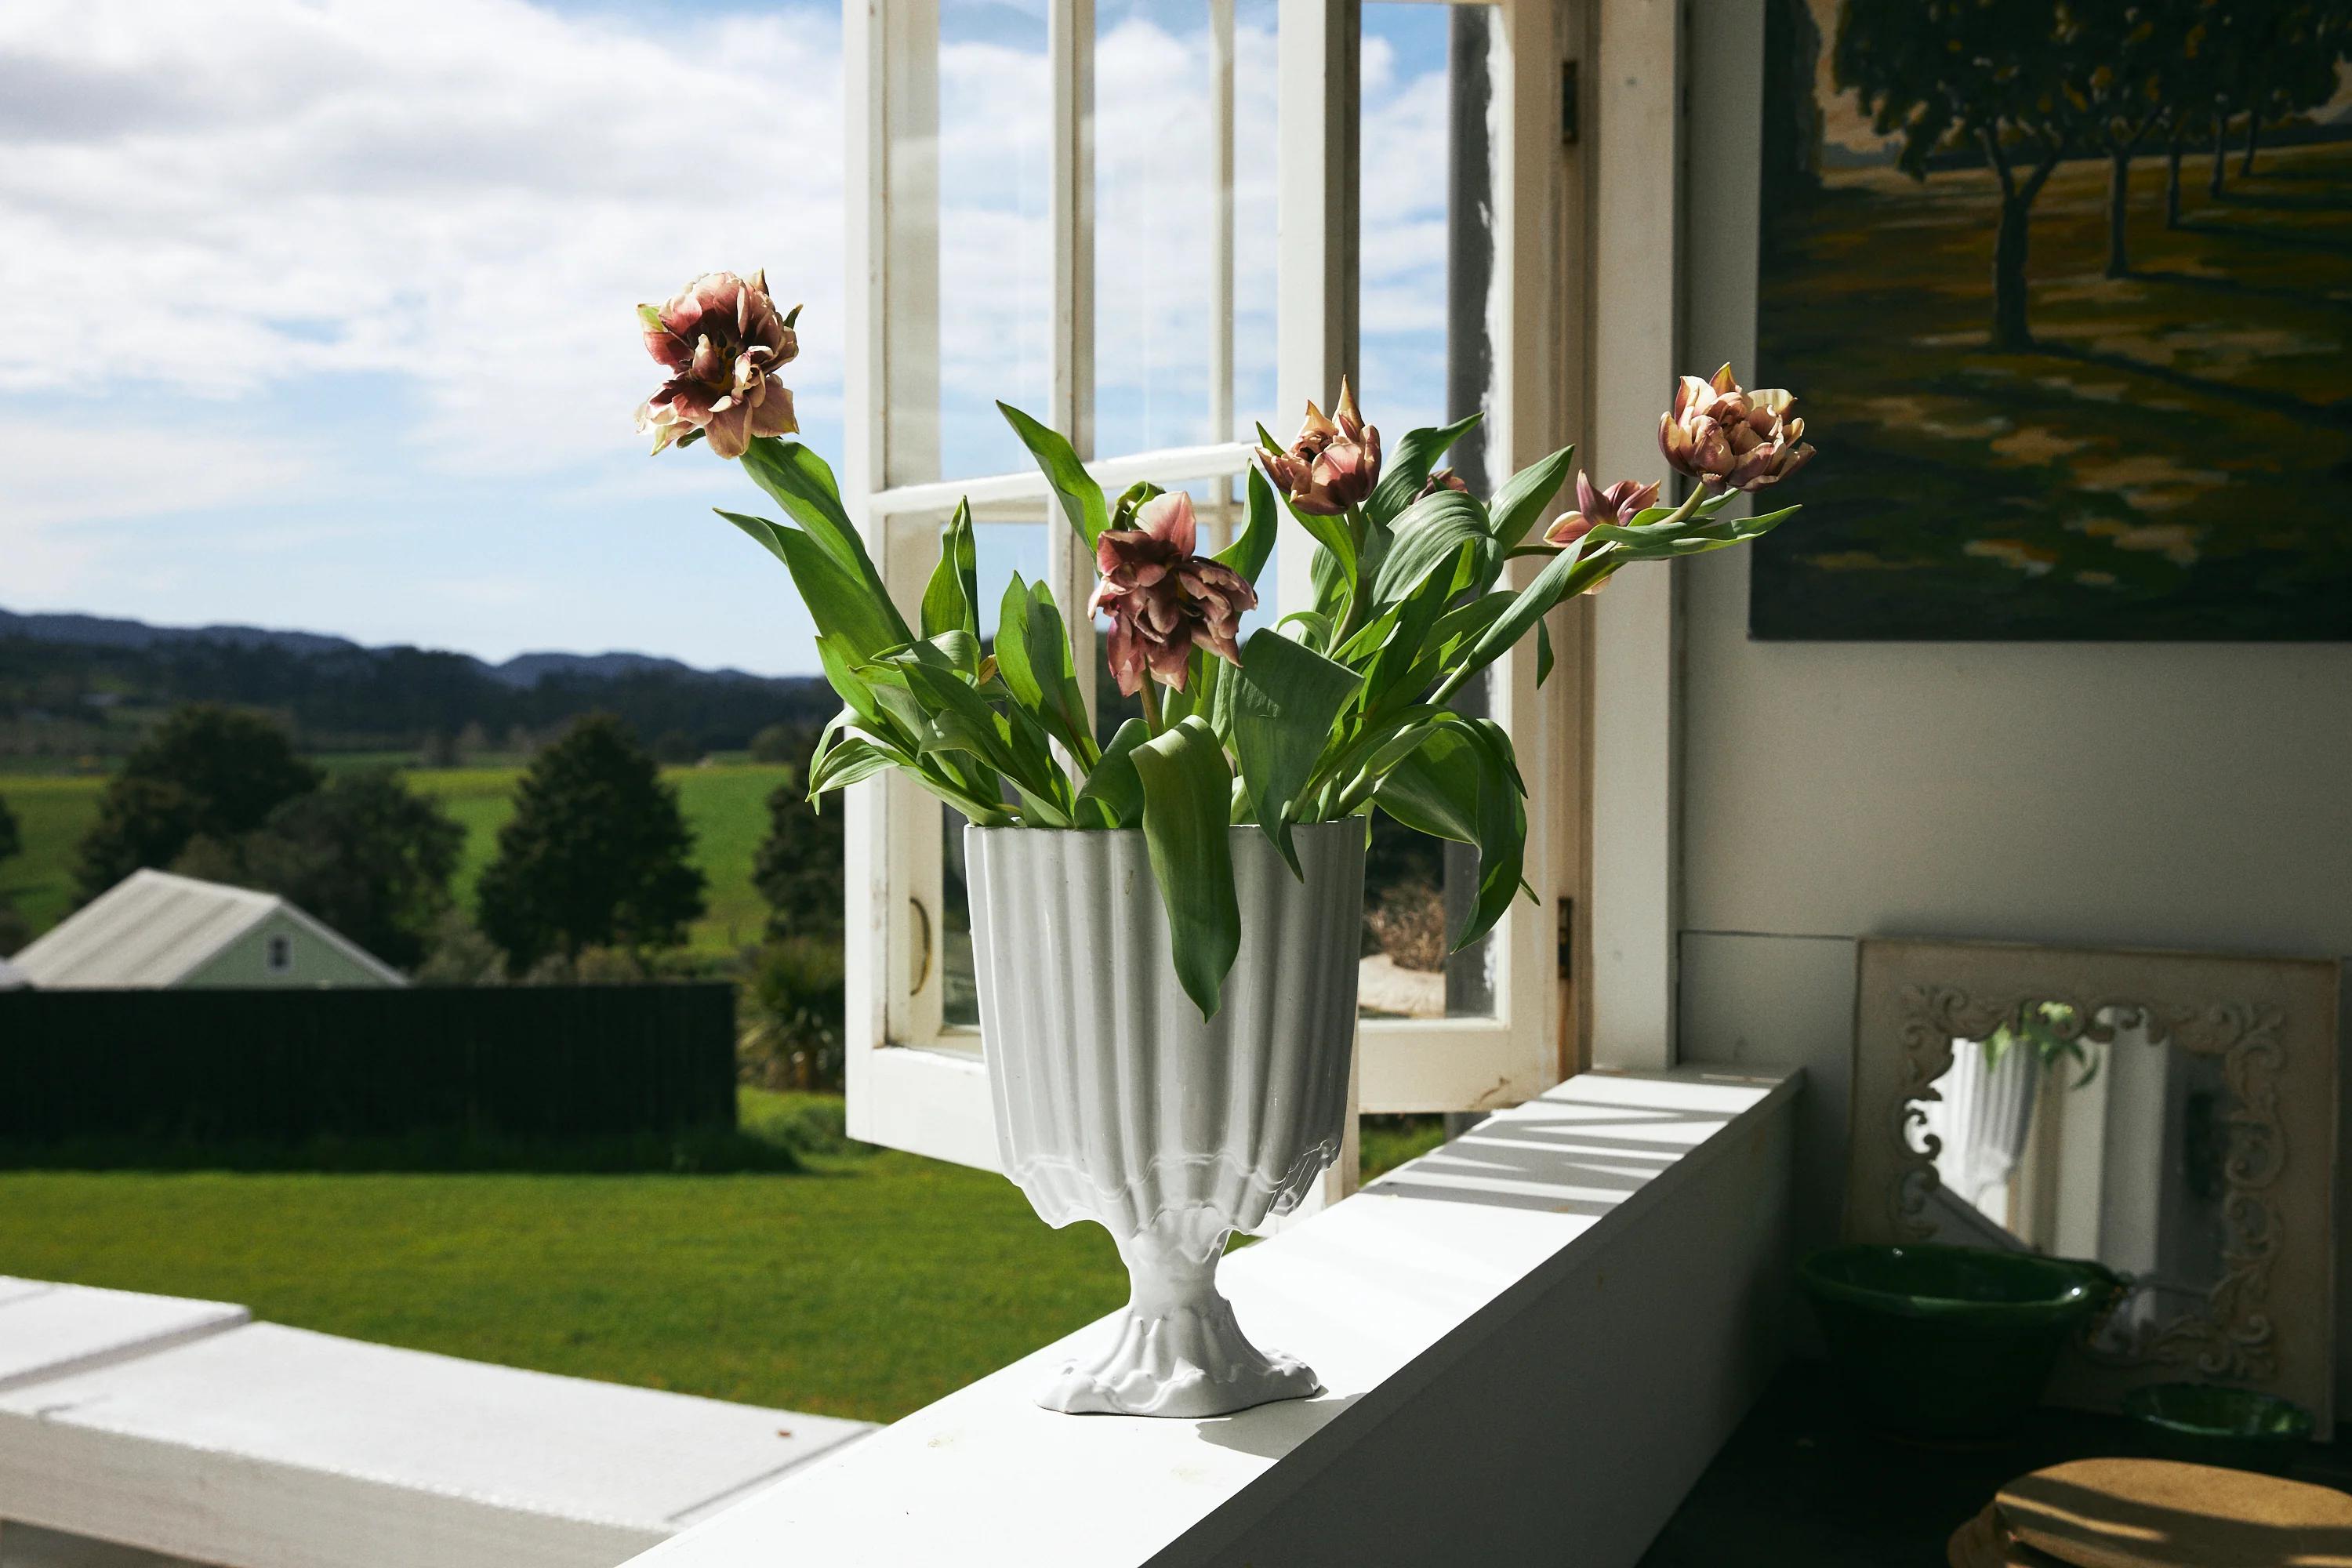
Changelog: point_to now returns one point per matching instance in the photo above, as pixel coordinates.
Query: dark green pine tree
(206, 771)
(12, 840)
(798, 869)
(597, 854)
(364, 854)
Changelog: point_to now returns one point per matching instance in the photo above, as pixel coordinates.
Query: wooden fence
(269, 1066)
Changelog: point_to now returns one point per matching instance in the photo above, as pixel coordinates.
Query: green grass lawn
(725, 804)
(2154, 464)
(53, 811)
(868, 1285)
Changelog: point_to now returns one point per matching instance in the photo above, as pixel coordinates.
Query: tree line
(441, 704)
(2024, 85)
(593, 879)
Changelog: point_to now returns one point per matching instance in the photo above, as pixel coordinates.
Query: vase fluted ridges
(1116, 1102)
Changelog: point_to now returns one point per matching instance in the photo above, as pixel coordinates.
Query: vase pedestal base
(1178, 1351)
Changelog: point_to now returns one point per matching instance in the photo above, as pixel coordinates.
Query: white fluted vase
(1117, 1102)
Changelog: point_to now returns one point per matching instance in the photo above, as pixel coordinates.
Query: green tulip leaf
(1520, 504)
(951, 600)
(1570, 571)
(1285, 705)
(1462, 784)
(803, 486)
(1249, 553)
(1112, 788)
(1081, 498)
(841, 606)
(1404, 470)
(854, 760)
(1430, 536)
(758, 528)
(1187, 797)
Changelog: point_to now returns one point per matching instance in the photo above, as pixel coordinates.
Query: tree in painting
(2130, 60)
(1946, 73)
(2273, 58)
(2068, 406)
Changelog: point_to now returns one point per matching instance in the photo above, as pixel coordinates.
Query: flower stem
(1150, 705)
(1358, 595)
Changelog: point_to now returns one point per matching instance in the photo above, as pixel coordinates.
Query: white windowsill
(1534, 1336)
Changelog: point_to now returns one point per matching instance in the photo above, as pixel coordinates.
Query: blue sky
(317, 315)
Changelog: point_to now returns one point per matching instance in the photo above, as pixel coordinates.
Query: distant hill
(75, 684)
(529, 668)
(522, 669)
(103, 631)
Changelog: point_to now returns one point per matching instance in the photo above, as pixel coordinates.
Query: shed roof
(155, 929)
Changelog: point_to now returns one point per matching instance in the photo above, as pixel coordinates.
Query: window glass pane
(1003, 548)
(1425, 305)
(969, 315)
(1183, 93)
(1427, 251)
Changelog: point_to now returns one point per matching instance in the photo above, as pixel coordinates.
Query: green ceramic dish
(2233, 1427)
(1950, 1342)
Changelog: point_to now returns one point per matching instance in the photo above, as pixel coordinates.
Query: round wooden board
(1985, 1543)
(2156, 1513)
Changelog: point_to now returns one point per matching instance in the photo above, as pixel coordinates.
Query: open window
(1289, 191)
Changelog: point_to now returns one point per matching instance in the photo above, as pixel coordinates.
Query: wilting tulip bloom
(1334, 463)
(722, 341)
(1619, 504)
(1727, 437)
(1161, 598)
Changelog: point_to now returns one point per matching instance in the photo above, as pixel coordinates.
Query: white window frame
(913, 1082)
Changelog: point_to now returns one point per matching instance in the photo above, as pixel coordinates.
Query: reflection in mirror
(2171, 1115)
(2081, 1137)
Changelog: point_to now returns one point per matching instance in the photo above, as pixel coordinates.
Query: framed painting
(2071, 290)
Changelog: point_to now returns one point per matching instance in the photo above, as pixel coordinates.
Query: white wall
(2145, 794)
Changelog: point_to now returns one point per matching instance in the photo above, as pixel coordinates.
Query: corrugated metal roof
(155, 929)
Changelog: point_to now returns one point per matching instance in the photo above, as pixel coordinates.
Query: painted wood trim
(1636, 89)
(1648, 1210)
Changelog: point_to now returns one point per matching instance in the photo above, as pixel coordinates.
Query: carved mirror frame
(2269, 1322)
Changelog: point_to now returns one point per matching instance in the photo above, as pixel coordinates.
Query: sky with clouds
(317, 313)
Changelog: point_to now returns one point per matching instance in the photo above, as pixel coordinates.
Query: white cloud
(422, 225)
(67, 473)
(469, 195)
(65, 489)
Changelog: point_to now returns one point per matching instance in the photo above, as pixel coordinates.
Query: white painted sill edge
(1563, 1277)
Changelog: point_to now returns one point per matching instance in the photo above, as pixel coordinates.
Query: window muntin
(1501, 1044)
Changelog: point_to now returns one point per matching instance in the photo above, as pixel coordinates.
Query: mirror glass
(2083, 1138)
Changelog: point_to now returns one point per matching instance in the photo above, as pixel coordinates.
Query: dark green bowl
(1950, 1342)
(2235, 1429)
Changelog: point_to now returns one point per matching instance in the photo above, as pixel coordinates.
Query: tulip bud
(1331, 467)
(1618, 505)
(1726, 438)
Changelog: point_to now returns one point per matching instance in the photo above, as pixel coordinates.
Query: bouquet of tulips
(1341, 711)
